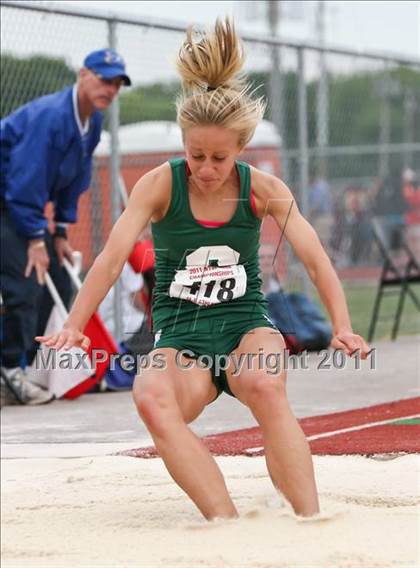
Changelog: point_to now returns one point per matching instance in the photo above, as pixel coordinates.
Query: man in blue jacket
(46, 149)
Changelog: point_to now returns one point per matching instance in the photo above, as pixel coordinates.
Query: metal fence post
(303, 153)
(322, 96)
(277, 88)
(114, 164)
(409, 121)
(384, 134)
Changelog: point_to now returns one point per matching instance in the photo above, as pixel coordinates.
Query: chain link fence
(349, 125)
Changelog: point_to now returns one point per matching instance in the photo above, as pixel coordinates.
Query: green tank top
(207, 278)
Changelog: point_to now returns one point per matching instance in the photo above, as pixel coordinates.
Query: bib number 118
(224, 293)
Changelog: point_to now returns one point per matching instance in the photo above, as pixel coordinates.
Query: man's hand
(63, 250)
(37, 258)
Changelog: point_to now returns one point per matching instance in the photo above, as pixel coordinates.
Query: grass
(360, 299)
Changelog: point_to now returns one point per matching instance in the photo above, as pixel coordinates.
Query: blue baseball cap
(107, 64)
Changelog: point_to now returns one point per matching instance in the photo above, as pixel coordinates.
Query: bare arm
(149, 196)
(274, 198)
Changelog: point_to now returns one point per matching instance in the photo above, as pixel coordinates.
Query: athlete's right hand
(67, 338)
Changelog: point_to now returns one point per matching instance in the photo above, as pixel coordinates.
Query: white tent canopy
(165, 136)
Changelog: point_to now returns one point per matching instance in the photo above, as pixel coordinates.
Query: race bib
(212, 276)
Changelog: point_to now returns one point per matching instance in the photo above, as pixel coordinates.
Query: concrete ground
(98, 424)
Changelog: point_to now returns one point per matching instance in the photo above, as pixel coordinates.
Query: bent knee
(156, 406)
(262, 389)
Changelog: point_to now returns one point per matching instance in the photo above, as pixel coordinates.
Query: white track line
(344, 430)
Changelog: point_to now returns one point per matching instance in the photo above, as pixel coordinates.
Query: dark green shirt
(206, 276)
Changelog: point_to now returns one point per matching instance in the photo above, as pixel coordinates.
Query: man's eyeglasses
(115, 81)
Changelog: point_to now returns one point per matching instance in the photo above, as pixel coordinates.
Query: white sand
(122, 512)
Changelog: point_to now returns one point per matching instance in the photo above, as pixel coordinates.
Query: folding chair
(394, 278)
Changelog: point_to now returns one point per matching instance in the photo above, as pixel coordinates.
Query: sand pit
(121, 512)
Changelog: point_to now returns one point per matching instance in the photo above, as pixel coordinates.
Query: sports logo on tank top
(212, 275)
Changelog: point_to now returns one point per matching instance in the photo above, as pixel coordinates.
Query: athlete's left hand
(350, 343)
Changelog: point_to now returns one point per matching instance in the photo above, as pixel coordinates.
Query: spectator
(338, 231)
(320, 208)
(46, 150)
(142, 260)
(358, 225)
(268, 274)
(131, 303)
(411, 193)
(388, 204)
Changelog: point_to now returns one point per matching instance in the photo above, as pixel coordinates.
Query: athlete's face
(99, 92)
(211, 152)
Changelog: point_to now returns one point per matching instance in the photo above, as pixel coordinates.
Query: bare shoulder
(270, 192)
(153, 190)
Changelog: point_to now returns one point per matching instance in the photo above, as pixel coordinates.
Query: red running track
(366, 438)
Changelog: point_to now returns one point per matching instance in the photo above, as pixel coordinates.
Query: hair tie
(210, 88)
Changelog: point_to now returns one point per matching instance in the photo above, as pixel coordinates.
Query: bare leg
(288, 456)
(193, 468)
(166, 401)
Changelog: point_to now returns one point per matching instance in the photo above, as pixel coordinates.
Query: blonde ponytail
(214, 89)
